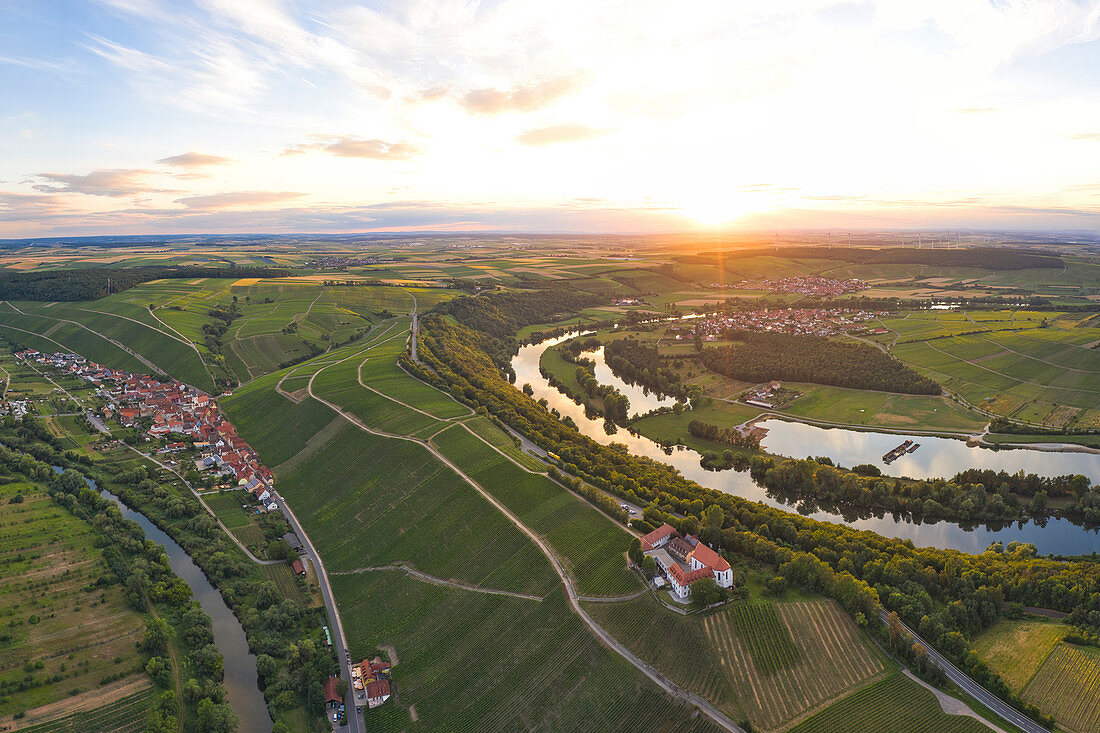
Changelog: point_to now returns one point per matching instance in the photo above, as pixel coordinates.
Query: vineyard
(126, 715)
(822, 650)
(1066, 687)
(769, 643)
(896, 704)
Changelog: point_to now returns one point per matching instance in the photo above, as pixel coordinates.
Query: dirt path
(567, 582)
(434, 580)
(951, 705)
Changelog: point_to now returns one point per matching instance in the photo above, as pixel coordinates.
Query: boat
(899, 451)
(913, 447)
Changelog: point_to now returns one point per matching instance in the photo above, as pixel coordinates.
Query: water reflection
(935, 457)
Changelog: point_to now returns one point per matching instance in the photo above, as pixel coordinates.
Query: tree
(635, 551)
(159, 670)
(157, 634)
(649, 566)
(216, 718)
(705, 592)
(714, 516)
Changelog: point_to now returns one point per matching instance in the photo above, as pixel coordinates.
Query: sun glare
(713, 209)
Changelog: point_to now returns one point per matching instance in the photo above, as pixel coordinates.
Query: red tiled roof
(710, 558)
(331, 695)
(657, 535)
(378, 688)
(687, 577)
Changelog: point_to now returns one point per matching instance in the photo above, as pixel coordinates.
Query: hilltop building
(685, 560)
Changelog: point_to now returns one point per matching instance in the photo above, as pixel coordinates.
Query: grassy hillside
(468, 660)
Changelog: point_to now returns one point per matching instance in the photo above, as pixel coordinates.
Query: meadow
(742, 661)
(1016, 649)
(896, 704)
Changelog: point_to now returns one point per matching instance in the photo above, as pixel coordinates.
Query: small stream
(936, 457)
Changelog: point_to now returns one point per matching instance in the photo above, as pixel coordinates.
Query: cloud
(975, 110)
(524, 98)
(570, 133)
(1095, 136)
(193, 160)
(107, 182)
(236, 199)
(355, 147)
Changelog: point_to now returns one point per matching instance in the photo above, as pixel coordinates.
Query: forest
(638, 363)
(92, 282)
(945, 594)
(760, 357)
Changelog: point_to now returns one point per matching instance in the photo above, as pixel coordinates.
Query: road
(611, 642)
(339, 641)
(972, 688)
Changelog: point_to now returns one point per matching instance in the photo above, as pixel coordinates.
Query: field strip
(1008, 376)
(419, 575)
(705, 707)
(1033, 358)
(318, 439)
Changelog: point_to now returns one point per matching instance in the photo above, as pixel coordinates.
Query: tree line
(760, 357)
(91, 283)
(946, 595)
(276, 627)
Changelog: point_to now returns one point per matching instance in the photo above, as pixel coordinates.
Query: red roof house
(658, 537)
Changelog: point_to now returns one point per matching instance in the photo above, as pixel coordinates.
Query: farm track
(119, 344)
(660, 680)
(1006, 376)
(434, 580)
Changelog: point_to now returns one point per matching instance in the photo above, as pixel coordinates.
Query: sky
(170, 116)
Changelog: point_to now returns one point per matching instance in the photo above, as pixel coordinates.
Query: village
(799, 321)
(171, 412)
(811, 285)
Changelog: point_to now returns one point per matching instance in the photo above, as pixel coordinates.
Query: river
(241, 680)
(936, 457)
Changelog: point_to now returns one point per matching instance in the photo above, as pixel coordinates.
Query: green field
(1067, 686)
(896, 704)
(62, 633)
(591, 544)
(1016, 649)
(1048, 376)
(121, 715)
(725, 656)
(476, 662)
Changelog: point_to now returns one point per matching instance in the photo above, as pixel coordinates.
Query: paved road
(972, 688)
(339, 641)
(717, 716)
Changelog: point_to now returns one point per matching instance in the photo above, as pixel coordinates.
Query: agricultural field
(118, 711)
(1066, 687)
(1049, 377)
(478, 662)
(62, 633)
(592, 545)
(742, 661)
(896, 704)
(382, 501)
(1016, 649)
